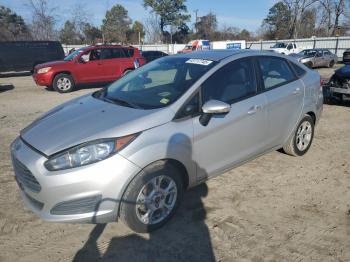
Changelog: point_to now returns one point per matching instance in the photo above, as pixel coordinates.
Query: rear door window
(106, 54)
(118, 53)
(298, 70)
(275, 71)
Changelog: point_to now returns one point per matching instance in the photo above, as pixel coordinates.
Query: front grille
(25, 177)
(78, 206)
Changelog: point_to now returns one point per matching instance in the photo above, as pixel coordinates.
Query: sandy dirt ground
(275, 208)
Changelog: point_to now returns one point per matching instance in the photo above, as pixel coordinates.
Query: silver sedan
(130, 150)
(316, 58)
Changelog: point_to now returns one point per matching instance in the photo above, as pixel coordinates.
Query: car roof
(220, 54)
(213, 55)
(109, 46)
(318, 49)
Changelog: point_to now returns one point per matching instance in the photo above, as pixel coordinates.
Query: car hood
(296, 55)
(300, 57)
(86, 119)
(52, 63)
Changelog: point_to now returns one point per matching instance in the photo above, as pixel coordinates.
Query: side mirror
(213, 107)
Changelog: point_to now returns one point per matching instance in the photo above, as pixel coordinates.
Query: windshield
(279, 45)
(73, 54)
(188, 47)
(157, 84)
(308, 53)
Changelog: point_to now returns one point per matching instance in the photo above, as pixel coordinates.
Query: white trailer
(229, 44)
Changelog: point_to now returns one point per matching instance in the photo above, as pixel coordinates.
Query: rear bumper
(43, 79)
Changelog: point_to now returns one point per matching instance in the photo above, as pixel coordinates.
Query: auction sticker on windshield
(199, 61)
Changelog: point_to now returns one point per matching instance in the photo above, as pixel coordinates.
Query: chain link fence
(336, 45)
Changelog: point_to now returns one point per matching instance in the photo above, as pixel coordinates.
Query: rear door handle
(296, 91)
(254, 109)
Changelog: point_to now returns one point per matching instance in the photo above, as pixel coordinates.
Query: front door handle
(254, 109)
(296, 91)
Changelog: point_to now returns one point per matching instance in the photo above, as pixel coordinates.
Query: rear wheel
(300, 142)
(63, 83)
(152, 197)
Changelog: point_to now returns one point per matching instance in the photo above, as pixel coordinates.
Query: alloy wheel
(304, 135)
(64, 84)
(156, 200)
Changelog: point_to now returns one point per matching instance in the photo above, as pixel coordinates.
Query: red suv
(92, 64)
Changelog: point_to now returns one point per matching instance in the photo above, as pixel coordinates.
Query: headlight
(88, 153)
(44, 70)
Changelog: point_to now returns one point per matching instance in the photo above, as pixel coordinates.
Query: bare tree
(153, 33)
(332, 10)
(80, 17)
(338, 11)
(43, 20)
(298, 9)
(326, 16)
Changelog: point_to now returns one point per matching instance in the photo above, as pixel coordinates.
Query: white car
(285, 48)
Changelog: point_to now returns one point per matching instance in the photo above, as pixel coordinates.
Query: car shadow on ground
(185, 238)
(91, 86)
(6, 87)
(15, 74)
(83, 86)
(338, 103)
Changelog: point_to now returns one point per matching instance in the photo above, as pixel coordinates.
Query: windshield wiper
(120, 102)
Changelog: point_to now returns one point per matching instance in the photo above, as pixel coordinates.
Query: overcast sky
(240, 13)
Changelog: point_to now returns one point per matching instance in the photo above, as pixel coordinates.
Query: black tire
(69, 87)
(128, 209)
(291, 147)
(331, 64)
(309, 64)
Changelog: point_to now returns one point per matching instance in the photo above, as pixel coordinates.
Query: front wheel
(331, 64)
(152, 197)
(309, 64)
(300, 142)
(63, 83)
